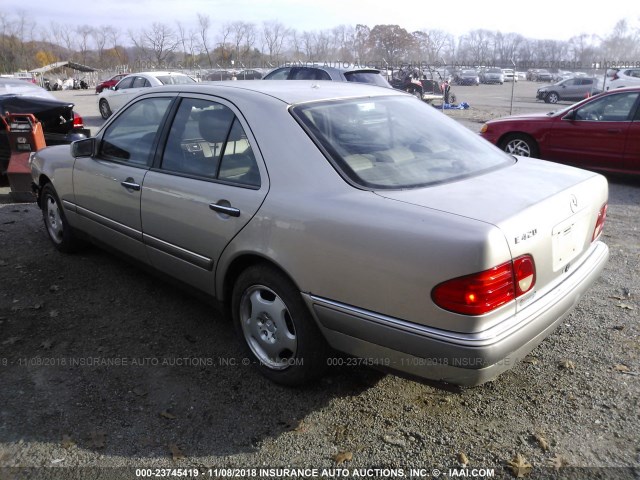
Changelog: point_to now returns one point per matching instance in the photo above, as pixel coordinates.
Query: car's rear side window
(396, 142)
(175, 79)
(371, 78)
(207, 140)
(304, 73)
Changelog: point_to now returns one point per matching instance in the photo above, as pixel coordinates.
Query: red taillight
(602, 216)
(77, 121)
(483, 292)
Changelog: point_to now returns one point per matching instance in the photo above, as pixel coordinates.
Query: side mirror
(571, 115)
(83, 148)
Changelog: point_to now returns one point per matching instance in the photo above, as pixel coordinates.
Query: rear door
(209, 184)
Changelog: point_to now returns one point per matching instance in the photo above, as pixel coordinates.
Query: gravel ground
(104, 368)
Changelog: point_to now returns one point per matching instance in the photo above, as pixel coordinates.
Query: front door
(597, 135)
(125, 153)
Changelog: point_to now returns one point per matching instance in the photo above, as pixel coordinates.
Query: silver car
(335, 216)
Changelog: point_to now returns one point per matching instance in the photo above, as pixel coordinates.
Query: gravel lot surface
(104, 368)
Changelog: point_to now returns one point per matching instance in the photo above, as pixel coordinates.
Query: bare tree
(204, 24)
(99, 35)
(249, 41)
(224, 52)
(157, 43)
(273, 36)
(115, 53)
(243, 37)
(84, 32)
(295, 44)
(476, 48)
(187, 40)
(433, 45)
(361, 42)
(343, 43)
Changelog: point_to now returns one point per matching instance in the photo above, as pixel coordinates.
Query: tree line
(24, 45)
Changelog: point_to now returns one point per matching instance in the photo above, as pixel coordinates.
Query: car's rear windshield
(175, 79)
(372, 78)
(396, 142)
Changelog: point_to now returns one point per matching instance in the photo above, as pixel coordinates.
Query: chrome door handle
(130, 183)
(227, 210)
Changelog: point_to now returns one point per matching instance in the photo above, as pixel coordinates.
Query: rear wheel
(105, 110)
(552, 97)
(55, 222)
(279, 334)
(520, 144)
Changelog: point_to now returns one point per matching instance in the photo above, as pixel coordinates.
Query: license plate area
(568, 239)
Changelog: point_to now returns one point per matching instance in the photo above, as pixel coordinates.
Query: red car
(110, 83)
(599, 133)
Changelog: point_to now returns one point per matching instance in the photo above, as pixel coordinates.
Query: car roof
(15, 86)
(289, 92)
(328, 68)
(156, 74)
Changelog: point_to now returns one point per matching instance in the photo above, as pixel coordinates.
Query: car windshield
(396, 142)
(175, 79)
(372, 78)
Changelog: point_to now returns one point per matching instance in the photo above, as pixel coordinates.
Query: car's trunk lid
(549, 213)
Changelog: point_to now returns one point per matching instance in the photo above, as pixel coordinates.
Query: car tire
(58, 229)
(520, 144)
(280, 337)
(105, 110)
(552, 97)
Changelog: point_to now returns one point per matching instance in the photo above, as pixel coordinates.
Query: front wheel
(520, 144)
(105, 110)
(280, 336)
(55, 222)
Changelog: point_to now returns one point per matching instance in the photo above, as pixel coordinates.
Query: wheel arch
(43, 179)
(238, 265)
(503, 139)
(506, 135)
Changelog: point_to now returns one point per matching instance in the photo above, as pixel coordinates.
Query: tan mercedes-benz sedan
(335, 216)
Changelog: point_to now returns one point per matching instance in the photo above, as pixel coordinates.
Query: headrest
(214, 124)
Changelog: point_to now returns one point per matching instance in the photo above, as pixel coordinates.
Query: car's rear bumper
(463, 359)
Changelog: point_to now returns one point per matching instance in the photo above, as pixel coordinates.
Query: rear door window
(207, 140)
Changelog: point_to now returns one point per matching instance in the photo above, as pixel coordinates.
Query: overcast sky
(542, 19)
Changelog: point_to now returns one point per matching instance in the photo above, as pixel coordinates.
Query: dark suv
(371, 76)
